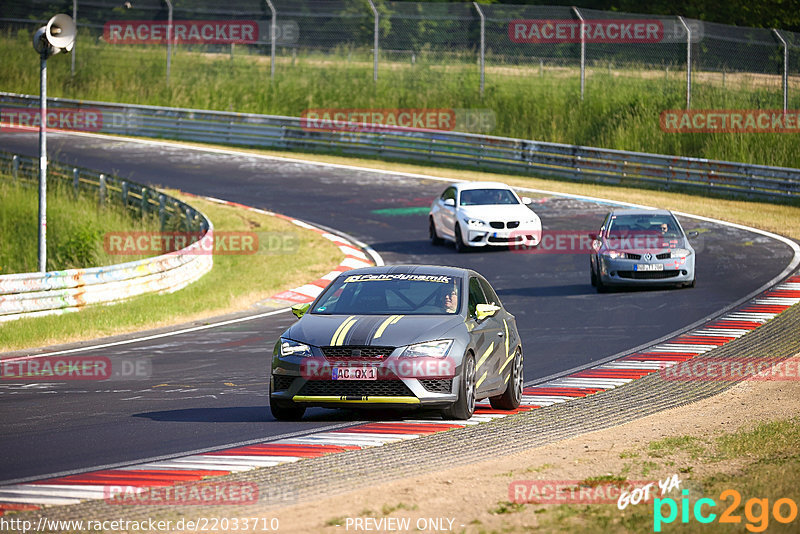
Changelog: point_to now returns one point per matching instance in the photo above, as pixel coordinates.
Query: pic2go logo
(756, 511)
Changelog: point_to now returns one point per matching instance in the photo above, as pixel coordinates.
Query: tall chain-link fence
(578, 47)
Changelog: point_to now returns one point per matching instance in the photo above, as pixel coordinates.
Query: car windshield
(390, 294)
(484, 197)
(643, 225)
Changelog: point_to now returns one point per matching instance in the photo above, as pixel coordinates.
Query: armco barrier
(430, 146)
(36, 294)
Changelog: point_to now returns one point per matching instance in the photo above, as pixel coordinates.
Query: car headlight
(294, 348)
(477, 223)
(680, 252)
(430, 349)
(614, 254)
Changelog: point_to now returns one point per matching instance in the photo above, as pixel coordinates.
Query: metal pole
(43, 163)
(785, 70)
(483, 41)
(583, 49)
(273, 31)
(169, 38)
(377, 17)
(688, 62)
(75, 18)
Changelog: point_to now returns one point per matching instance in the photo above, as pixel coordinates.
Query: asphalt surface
(209, 388)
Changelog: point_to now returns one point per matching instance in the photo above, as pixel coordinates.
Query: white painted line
(640, 365)
(724, 332)
(175, 464)
(601, 383)
(17, 498)
(308, 290)
(225, 461)
(61, 490)
(354, 263)
(255, 457)
(554, 399)
(780, 301)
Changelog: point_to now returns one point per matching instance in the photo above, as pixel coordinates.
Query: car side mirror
(482, 311)
(450, 202)
(693, 233)
(527, 201)
(300, 309)
(594, 237)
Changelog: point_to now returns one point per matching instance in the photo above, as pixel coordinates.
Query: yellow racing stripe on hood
(339, 330)
(389, 321)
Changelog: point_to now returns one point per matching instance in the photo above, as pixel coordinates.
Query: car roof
(437, 270)
(632, 211)
(463, 186)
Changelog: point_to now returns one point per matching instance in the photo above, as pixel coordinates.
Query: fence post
(785, 69)
(76, 181)
(15, 167)
(483, 41)
(75, 18)
(688, 62)
(162, 210)
(377, 17)
(583, 49)
(124, 194)
(102, 194)
(273, 27)
(144, 201)
(169, 37)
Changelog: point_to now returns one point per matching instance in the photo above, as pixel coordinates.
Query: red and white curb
(354, 257)
(72, 489)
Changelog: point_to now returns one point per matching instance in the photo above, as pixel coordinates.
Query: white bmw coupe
(477, 214)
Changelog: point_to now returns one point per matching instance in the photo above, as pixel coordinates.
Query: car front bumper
(621, 271)
(522, 237)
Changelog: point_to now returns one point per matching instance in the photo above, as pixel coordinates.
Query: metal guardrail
(430, 146)
(37, 294)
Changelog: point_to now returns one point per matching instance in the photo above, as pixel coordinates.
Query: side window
(476, 296)
(491, 296)
(450, 192)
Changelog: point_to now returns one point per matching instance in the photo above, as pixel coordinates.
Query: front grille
(632, 256)
(282, 382)
(437, 385)
(512, 224)
(497, 224)
(355, 353)
(664, 255)
(358, 388)
(647, 275)
(493, 239)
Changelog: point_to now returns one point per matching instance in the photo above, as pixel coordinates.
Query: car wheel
(464, 407)
(460, 245)
(435, 239)
(692, 283)
(512, 396)
(284, 410)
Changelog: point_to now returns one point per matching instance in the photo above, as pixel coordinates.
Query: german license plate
(648, 267)
(354, 373)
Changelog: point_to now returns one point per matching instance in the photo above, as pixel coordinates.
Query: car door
(488, 335)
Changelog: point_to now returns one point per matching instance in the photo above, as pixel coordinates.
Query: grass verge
(760, 463)
(235, 282)
(75, 228)
(621, 109)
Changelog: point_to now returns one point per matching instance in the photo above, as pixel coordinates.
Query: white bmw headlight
(430, 349)
(294, 348)
(477, 223)
(680, 252)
